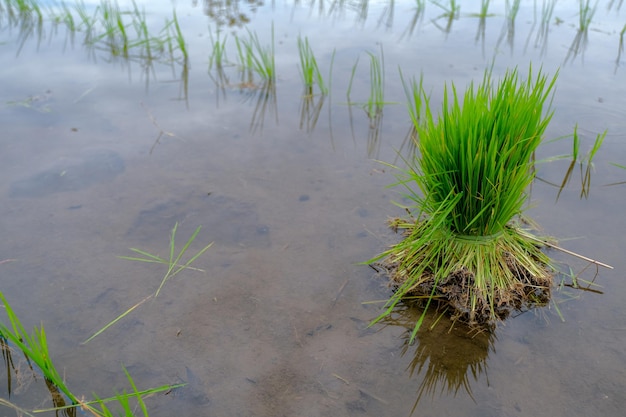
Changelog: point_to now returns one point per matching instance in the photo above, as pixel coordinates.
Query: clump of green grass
(466, 245)
(255, 57)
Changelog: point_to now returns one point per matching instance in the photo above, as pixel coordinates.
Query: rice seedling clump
(466, 247)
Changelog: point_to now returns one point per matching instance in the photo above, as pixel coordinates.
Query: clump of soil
(454, 292)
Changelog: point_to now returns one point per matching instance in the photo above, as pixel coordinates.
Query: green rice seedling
(511, 9)
(585, 14)
(263, 57)
(87, 22)
(468, 190)
(180, 40)
(586, 182)
(173, 263)
(586, 163)
(451, 10)
(575, 144)
(217, 61)
(352, 73)
(174, 266)
(309, 70)
(254, 57)
(141, 28)
(376, 99)
(597, 144)
(217, 58)
(415, 105)
(484, 10)
(311, 106)
(245, 64)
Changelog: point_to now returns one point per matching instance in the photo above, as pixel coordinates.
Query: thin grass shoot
(309, 70)
(174, 267)
(585, 14)
(173, 263)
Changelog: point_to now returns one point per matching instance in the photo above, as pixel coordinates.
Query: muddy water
(277, 323)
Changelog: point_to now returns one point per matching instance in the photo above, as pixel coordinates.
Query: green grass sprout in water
(468, 188)
(309, 70)
(174, 266)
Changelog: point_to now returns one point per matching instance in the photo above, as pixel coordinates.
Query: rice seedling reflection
(119, 33)
(447, 358)
(541, 37)
(417, 18)
(310, 109)
(374, 105)
(508, 30)
(265, 100)
(217, 61)
(387, 15)
(620, 49)
(415, 102)
(579, 44)
(482, 22)
(450, 14)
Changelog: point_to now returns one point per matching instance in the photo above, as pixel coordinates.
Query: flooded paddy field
(110, 138)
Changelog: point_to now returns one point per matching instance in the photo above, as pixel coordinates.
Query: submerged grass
(174, 266)
(468, 191)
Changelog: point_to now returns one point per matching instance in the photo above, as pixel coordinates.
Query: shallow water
(276, 325)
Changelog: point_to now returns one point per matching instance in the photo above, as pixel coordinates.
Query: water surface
(294, 200)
